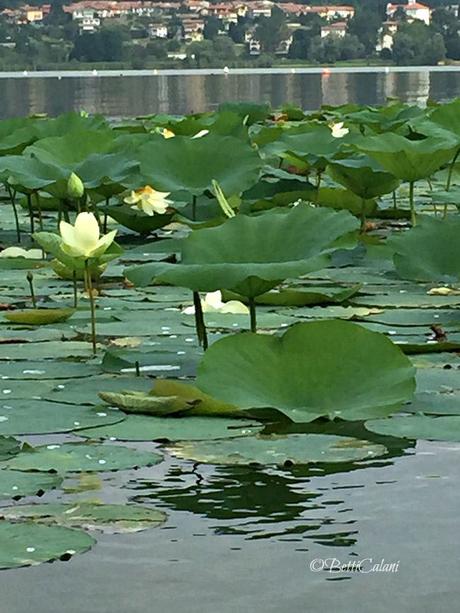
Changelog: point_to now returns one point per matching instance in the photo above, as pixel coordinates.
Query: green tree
(365, 26)
(212, 27)
(272, 30)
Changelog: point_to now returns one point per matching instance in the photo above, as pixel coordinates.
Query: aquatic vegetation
(331, 324)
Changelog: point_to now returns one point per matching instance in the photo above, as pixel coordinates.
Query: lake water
(142, 92)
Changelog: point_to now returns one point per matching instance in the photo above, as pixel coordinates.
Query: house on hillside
(385, 35)
(413, 10)
(339, 28)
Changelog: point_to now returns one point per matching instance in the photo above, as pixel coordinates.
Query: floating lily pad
(29, 544)
(111, 518)
(38, 317)
(445, 428)
(15, 484)
(331, 368)
(39, 417)
(8, 447)
(82, 457)
(188, 428)
(278, 450)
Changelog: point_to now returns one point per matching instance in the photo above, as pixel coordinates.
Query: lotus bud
(75, 187)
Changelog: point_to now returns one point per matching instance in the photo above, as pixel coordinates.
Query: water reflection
(265, 503)
(129, 96)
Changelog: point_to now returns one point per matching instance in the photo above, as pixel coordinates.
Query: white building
(158, 30)
(413, 10)
(337, 29)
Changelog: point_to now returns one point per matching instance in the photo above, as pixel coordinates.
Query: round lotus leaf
(14, 484)
(38, 317)
(445, 428)
(250, 255)
(8, 447)
(41, 417)
(409, 160)
(278, 450)
(430, 251)
(191, 164)
(81, 457)
(109, 518)
(140, 428)
(29, 544)
(332, 368)
(46, 369)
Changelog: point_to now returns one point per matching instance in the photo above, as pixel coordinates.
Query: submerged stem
(194, 208)
(74, 279)
(31, 213)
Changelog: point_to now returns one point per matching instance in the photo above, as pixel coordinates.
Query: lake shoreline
(183, 72)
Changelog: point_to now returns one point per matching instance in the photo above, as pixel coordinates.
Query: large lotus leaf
(141, 428)
(430, 251)
(251, 112)
(30, 174)
(278, 450)
(445, 428)
(362, 176)
(69, 122)
(29, 544)
(109, 518)
(8, 447)
(72, 149)
(302, 296)
(344, 199)
(41, 417)
(191, 164)
(136, 220)
(409, 160)
(14, 484)
(332, 368)
(313, 144)
(448, 116)
(250, 255)
(81, 457)
(106, 172)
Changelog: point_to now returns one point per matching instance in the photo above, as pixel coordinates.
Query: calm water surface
(241, 540)
(180, 93)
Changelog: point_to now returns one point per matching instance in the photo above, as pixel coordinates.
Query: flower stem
(395, 204)
(194, 208)
(252, 314)
(412, 205)
(89, 289)
(74, 279)
(199, 321)
(451, 169)
(363, 215)
(39, 208)
(30, 280)
(31, 213)
(12, 196)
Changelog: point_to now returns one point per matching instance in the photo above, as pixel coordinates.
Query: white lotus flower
(212, 303)
(18, 252)
(83, 239)
(149, 200)
(338, 131)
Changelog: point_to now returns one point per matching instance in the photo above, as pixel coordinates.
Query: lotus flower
(338, 131)
(170, 134)
(75, 187)
(149, 200)
(212, 303)
(83, 239)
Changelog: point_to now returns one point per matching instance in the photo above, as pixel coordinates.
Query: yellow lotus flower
(338, 131)
(149, 200)
(83, 239)
(167, 133)
(212, 303)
